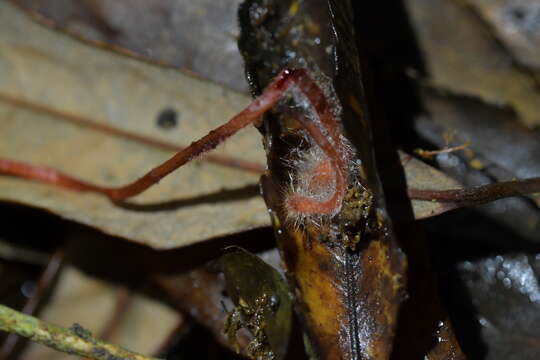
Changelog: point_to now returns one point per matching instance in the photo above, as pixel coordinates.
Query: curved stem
(257, 108)
(92, 124)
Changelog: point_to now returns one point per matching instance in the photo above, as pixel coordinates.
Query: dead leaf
(516, 24)
(422, 176)
(467, 60)
(76, 294)
(198, 202)
(156, 30)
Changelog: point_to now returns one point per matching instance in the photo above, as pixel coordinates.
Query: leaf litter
(48, 77)
(43, 67)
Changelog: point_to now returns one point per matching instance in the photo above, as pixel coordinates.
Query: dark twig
(179, 330)
(121, 307)
(480, 194)
(43, 285)
(122, 304)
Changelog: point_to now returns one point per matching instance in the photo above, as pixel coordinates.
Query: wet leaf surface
(262, 300)
(491, 284)
(42, 67)
(505, 290)
(487, 257)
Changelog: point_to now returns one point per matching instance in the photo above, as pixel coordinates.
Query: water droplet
(28, 288)
(483, 321)
(274, 302)
(329, 49)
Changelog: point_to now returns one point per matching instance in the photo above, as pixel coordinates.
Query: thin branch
(42, 287)
(480, 194)
(174, 336)
(428, 154)
(74, 340)
(123, 301)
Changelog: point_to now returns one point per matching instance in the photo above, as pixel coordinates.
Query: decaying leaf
(346, 270)
(40, 66)
(517, 25)
(467, 60)
(90, 302)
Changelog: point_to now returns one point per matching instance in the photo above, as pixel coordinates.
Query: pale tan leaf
(200, 201)
(421, 176)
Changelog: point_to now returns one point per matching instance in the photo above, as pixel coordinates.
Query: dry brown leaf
(91, 303)
(198, 202)
(468, 60)
(516, 24)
